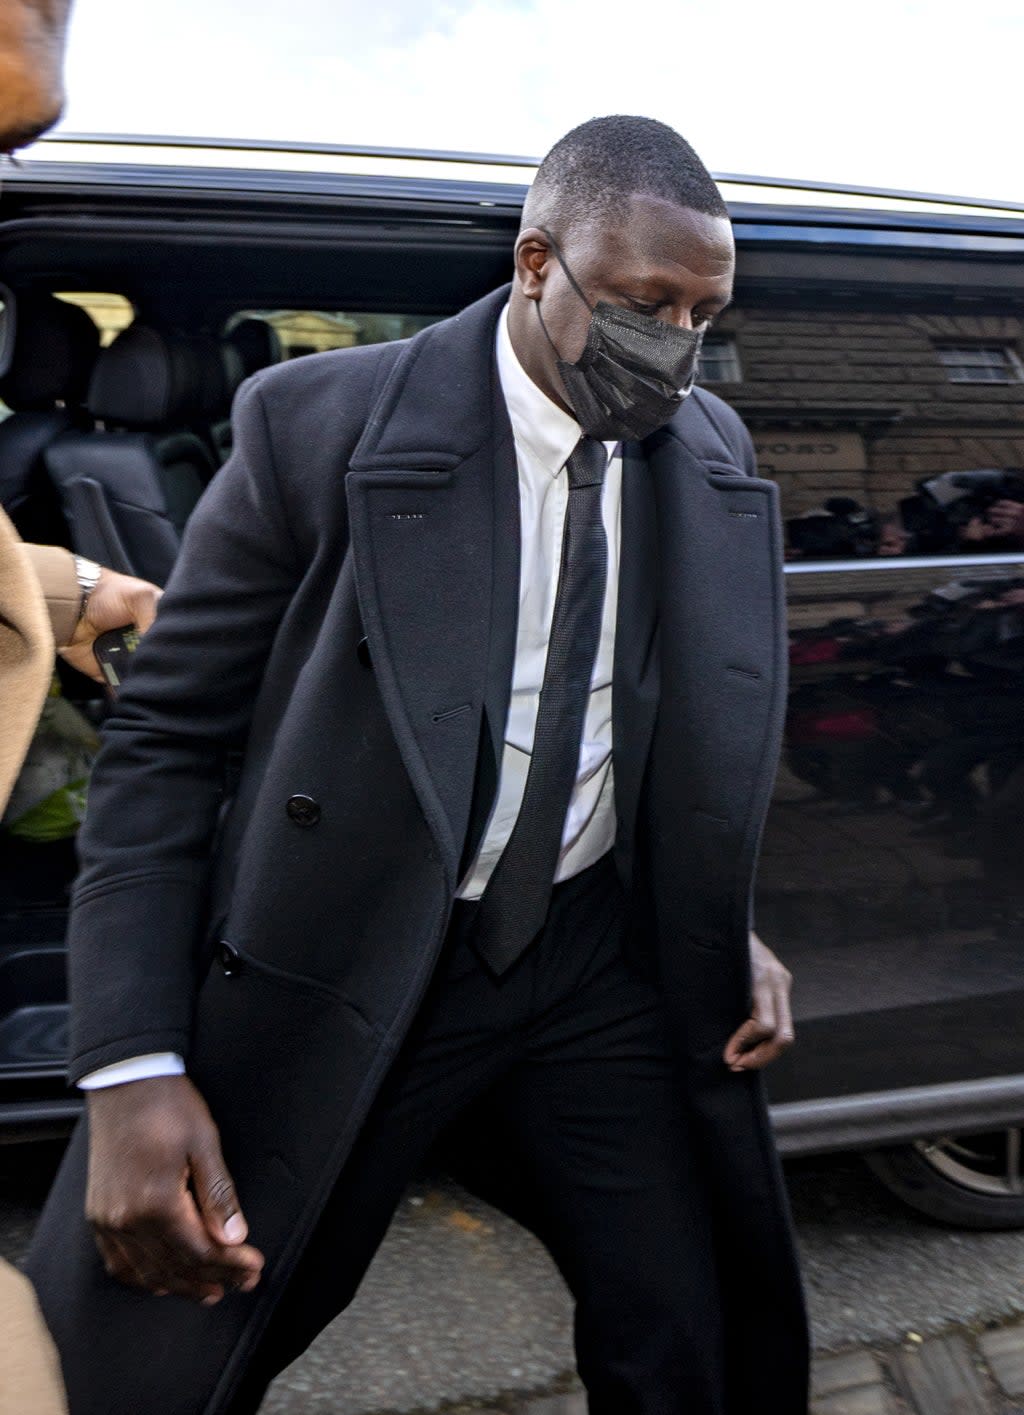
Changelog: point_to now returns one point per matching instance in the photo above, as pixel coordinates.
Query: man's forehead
(667, 238)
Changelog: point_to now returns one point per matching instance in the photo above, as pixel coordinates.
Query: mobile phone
(113, 652)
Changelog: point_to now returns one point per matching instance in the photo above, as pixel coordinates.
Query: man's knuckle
(220, 1191)
(114, 1262)
(115, 1218)
(152, 1207)
(191, 1248)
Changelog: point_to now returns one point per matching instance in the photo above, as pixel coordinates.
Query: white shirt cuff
(136, 1068)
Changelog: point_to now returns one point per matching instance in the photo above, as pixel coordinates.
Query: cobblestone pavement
(462, 1312)
(908, 1318)
(958, 1373)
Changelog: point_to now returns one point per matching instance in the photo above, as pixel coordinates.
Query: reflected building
(866, 403)
(890, 411)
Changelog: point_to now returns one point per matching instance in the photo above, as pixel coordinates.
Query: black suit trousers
(566, 1060)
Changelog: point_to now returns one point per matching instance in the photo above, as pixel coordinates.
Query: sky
(925, 95)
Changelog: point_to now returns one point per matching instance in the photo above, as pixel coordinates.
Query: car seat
(55, 349)
(129, 487)
(252, 344)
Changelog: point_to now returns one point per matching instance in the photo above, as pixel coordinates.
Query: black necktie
(515, 902)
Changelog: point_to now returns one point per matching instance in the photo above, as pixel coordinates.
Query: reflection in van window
(719, 360)
(889, 431)
(315, 331)
(981, 363)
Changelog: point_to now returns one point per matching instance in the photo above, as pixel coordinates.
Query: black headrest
(148, 378)
(233, 366)
(258, 343)
(55, 347)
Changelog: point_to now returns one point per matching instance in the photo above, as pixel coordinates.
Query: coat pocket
(286, 1067)
(233, 962)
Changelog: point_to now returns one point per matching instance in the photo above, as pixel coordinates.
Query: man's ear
(532, 258)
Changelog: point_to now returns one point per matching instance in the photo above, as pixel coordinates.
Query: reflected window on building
(981, 363)
(720, 360)
(893, 422)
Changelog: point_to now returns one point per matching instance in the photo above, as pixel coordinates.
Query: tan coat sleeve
(30, 1381)
(54, 568)
(26, 654)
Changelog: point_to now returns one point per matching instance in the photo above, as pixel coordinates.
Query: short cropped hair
(597, 167)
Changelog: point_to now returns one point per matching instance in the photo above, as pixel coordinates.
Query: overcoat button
(303, 810)
(229, 958)
(363, 653)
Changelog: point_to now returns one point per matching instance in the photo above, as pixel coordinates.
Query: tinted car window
(313, 331)
(110, 312)
(890, 880)
(889, 432)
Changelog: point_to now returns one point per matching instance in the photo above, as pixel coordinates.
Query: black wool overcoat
(344, 608)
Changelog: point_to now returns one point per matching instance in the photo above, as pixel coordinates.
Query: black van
(876, 352)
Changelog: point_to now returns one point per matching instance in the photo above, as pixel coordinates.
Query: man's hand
(1007, 518)
(116, 601)
(160, 1200)
(769, 1030)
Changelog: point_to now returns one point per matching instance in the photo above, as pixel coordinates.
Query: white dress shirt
(544, 436)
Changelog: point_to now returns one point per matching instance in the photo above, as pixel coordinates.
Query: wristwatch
(87, 573)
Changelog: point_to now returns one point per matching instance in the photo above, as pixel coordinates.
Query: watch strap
(87, 573)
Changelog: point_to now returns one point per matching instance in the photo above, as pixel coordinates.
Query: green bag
(48, 800)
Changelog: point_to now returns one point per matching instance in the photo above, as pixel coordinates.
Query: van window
(314, 331)
(889, 431)
(110, 312)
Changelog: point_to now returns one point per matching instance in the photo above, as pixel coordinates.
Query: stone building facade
(861, 404)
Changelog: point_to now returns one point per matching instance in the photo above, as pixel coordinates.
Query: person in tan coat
(44, 607)
(33, 34)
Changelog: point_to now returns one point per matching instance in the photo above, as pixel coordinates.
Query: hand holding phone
(114, 651)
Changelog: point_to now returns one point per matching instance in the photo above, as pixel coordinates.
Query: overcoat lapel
(422, 508)
(723, 682)
(504, 582)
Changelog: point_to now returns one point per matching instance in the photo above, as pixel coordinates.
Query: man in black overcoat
(496, 616)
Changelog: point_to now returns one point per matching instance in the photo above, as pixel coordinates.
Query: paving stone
(851, 1368)
(939, 1377)
(859, 1400)
(1004, 1352)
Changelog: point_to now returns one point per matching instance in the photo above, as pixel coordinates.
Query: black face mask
(633, 373)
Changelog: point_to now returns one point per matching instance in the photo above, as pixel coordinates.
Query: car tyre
(965, 1181)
